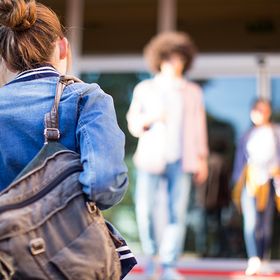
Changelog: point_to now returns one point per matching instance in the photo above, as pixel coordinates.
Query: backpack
(48, 228)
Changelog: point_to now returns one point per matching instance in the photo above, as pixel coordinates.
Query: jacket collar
(36, 73)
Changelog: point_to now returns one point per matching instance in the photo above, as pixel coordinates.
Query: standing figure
(167, 114)
(256, 173)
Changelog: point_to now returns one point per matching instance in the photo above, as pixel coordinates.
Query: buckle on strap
(51, 133)
(91, 207)
(37, 246)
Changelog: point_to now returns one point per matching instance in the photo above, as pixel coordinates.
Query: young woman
(33, 46)
(256, 173)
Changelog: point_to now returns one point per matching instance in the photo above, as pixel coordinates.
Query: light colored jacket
(244, 177)
(144, 107)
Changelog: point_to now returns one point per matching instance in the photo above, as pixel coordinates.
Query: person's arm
(239, 171)
(139, 118)
(135, 114)
(101, 142)
(201, 131)
(202, 170)
(239, 159)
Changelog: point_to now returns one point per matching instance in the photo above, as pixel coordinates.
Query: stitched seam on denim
(82, 124)
(91, 163)
(91, 87)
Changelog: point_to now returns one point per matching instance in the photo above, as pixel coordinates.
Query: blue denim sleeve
(101, 144)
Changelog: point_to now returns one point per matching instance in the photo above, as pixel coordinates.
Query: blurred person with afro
(167, 115)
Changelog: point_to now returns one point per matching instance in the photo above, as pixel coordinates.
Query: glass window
(275, 95)
(230, 100)
(227, 101)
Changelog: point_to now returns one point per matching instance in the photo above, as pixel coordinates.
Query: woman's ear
(5, 73)
(63, 48)
(62, 56)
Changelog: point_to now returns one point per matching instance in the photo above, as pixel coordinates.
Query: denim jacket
(87, 123)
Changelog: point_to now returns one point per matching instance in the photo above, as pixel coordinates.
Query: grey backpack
(48, 229)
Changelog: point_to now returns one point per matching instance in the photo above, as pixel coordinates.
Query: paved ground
(209, 269)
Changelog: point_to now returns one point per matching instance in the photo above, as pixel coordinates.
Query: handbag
(48, 229)
(150, 154)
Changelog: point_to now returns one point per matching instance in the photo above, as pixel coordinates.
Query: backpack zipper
(40, 194)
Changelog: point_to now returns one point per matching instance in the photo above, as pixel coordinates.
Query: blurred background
(238, 60)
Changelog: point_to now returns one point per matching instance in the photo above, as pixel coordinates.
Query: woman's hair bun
(19, 15)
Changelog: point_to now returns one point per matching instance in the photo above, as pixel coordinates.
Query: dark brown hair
(163, 45)
(261, 100)
(28, 31)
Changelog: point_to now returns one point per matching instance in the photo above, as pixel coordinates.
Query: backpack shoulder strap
(51, 131)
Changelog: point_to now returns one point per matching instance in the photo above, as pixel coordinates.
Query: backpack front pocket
(91, 256)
